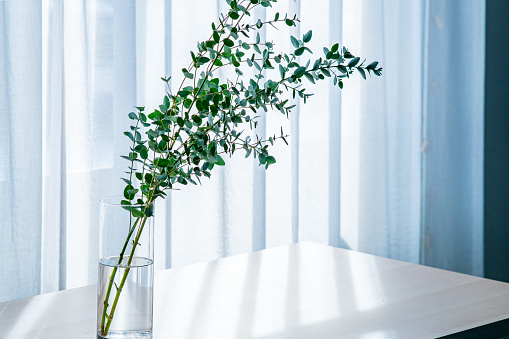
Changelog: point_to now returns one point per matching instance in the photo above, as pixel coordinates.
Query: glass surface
(133, 314)
(126, 274)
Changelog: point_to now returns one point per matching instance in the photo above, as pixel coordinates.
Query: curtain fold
(381, 138)
(390, 166)
(21, 151)
(53, 260)
(453, 157)
(335, 36)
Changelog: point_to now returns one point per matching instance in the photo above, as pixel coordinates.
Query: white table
(298, 291)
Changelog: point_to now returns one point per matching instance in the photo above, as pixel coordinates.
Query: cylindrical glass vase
(126, 270)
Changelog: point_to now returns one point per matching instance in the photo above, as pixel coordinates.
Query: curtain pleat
(335, 35)
(280, 208)
(167, 226)
(453, 158)
(294, 8)
(259, 179)
(21, 152)
(53, 260)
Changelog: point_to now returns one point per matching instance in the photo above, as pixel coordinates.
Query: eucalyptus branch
(187, 135)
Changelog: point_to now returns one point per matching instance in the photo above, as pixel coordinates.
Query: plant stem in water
(104, 329)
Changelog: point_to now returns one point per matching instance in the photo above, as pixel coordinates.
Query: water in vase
(132, 317)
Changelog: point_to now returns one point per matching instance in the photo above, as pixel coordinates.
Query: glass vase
(126, 272)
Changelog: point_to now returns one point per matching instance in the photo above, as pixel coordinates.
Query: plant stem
(105, 327)
(114, 272)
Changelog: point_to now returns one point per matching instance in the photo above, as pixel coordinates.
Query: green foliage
(205, 118)
(203, 121)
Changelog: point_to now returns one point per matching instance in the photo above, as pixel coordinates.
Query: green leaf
(354, 62)
(245, 46)
(372, 65)
(270, 160)
(300, 51)
(295, 42)
(136, 213)
(188, 75)
(281, 71)
(220, 161)
(257, 37)
(342, 69)
(133, 116)
(309, 77)
(128, 190)
(316, 65)
(162, 162)
(248, 152)
(307, 36)
(183, 93)
(197, 119)
(234, 15)
(299, 72)
(148, 178)
(130, 135)
(228, 42)
(361, 71)
(204, 60)
(262, 159)
(143, 153)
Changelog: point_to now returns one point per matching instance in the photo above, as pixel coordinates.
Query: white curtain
(390, 166)
(413, 180)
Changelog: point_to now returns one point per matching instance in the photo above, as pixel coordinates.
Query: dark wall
(496, 149)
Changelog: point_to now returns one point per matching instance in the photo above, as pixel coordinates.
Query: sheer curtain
(390, 166)
(413, 177)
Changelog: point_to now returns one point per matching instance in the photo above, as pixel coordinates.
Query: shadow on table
(29, 318)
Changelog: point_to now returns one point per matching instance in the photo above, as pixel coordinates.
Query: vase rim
(114, 200)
